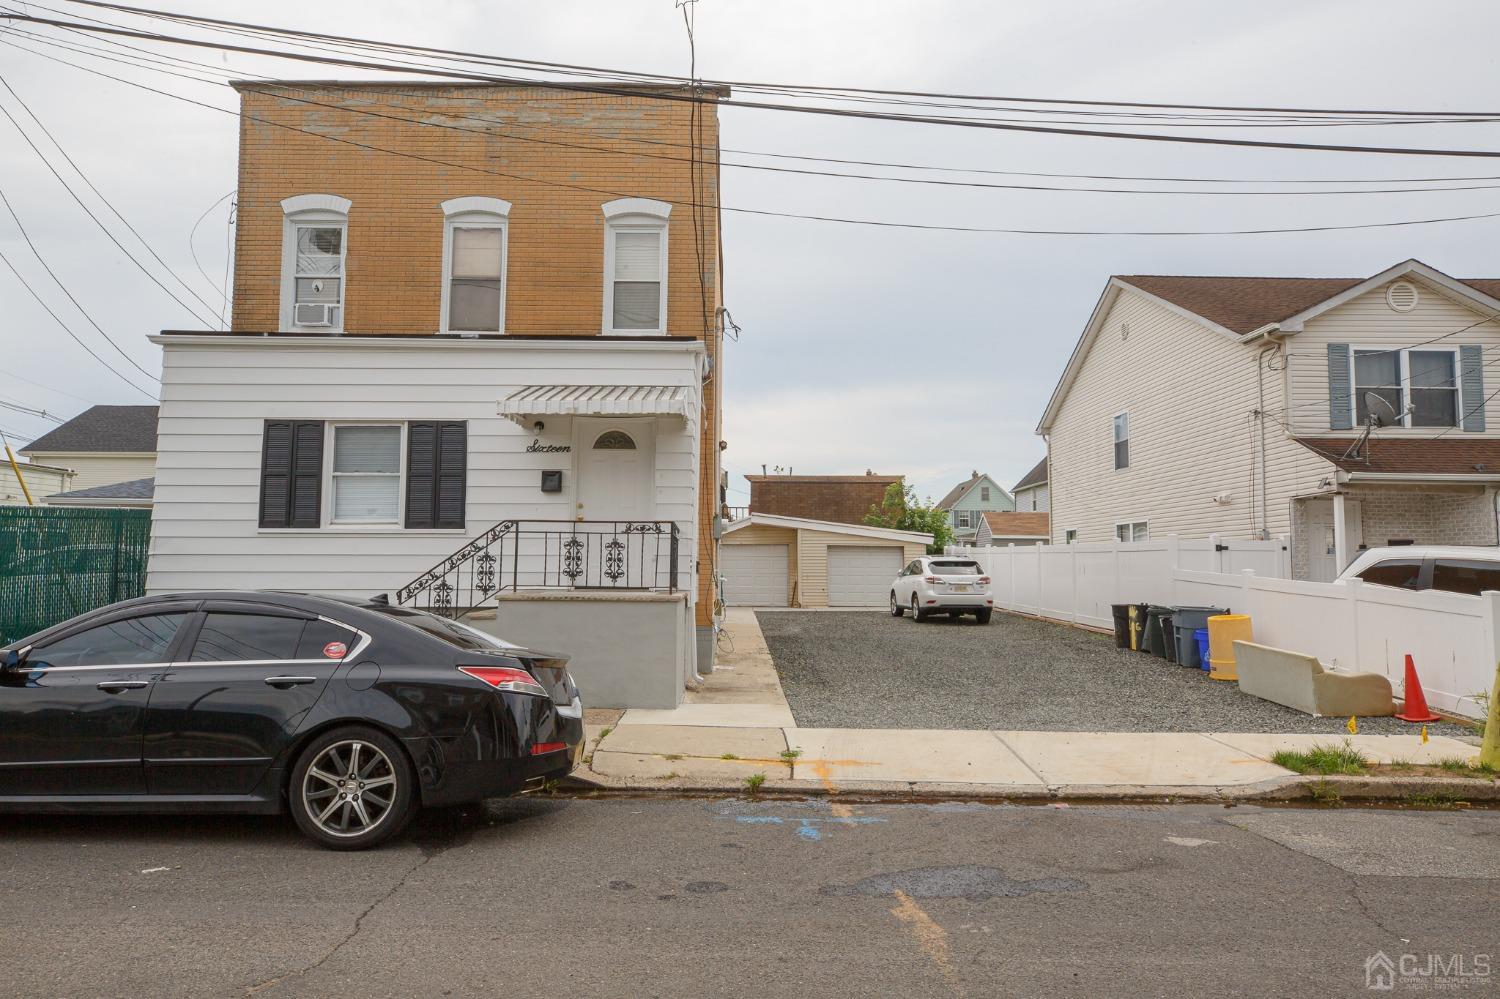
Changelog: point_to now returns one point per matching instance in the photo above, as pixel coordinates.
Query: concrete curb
(1445, 791)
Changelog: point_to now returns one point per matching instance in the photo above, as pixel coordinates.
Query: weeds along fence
(1454, 637)
(57, 562)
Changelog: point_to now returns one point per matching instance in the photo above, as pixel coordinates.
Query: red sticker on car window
(335, 650)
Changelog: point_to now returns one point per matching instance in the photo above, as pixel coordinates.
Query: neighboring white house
(1236, 406)
(103, 445)
(41, 480)
(999, 529)
(967, 501)
(1031, 492)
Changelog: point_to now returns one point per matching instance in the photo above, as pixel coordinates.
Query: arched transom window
(614, 440)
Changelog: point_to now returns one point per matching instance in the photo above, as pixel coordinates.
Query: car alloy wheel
(917, 613)
(349, 789)
(896, 608)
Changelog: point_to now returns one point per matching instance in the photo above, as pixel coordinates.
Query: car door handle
(289, 681)
(115, 686)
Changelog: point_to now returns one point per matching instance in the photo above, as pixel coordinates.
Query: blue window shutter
(1340, 392)
(1471, 360)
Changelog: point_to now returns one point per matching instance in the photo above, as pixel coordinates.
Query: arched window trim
(326, 211)
(474, 212)
(634, 215)
(614, 435)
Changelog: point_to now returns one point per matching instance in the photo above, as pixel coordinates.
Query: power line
(193, 249)
(199, 20)
(769, 106)
(97, 193)
(69, 330)
(87, 211)
(28, 411)
(768, 213)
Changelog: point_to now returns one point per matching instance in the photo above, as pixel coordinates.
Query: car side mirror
(10, 660)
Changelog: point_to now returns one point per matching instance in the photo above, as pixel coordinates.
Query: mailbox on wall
(552, 481)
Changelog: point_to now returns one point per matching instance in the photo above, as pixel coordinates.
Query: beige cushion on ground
(1299, 681)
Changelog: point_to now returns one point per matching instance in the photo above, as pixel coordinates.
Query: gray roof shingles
(141, 489)
(121, 429)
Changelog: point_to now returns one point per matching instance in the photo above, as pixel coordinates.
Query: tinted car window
(133, 640)
(1465, 575)
(322, 639)
(230, 637)
(951, 568)
(1403, 572)
(452, 632)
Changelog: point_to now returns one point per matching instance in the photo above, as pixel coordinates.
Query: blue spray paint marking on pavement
(809, 831)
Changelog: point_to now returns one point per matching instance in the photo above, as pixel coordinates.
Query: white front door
(616, 469)
(1323, 564)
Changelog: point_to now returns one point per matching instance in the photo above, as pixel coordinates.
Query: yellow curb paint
(931, 937)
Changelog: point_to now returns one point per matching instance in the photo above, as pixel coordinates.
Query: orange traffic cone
(1413, 702)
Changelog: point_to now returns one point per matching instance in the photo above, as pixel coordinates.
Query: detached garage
(773, 561)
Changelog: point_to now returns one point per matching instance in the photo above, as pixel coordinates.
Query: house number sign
(536, 446)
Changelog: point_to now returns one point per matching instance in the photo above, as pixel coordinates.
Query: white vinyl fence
(1454, 638)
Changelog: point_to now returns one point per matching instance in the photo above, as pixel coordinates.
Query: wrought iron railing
(549, 555)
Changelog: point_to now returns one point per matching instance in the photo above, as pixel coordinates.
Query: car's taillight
(931, 579)
(548, 747)
(984, 581)
(517, 681)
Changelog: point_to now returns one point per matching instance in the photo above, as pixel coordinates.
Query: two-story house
(1031, 492)
(1340, 413)
(475, 364)
(966, 502)
(111, 451)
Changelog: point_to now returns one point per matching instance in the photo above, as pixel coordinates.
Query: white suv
(1429, 567)
(942, 584)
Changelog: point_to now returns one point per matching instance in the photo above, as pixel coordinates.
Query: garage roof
(830, 527)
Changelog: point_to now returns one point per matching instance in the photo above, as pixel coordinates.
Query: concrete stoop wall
(625, 650)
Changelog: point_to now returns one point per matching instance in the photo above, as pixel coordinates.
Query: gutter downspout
(1260, 387)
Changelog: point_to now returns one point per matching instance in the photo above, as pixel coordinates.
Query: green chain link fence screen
(57, 562)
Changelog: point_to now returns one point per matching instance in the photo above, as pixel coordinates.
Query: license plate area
(959, 587)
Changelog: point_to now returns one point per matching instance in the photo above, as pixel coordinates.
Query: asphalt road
(711, 897)
(862, 669)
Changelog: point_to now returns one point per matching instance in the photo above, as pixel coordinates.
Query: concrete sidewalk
(738, 724)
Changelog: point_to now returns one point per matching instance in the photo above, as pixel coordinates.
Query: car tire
(337, 791)
(896, 609)
(983, 615)
(917, 613)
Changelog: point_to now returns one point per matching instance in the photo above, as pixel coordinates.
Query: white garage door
(754, 575)
(861, 575)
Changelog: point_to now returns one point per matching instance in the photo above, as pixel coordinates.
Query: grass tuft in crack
(754, 781)
(1324, 760)
(789, 756)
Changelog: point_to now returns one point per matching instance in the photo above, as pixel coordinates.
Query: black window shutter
(437, 459)
(291, 474)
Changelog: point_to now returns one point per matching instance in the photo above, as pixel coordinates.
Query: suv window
(1405, 573)
(1458, 575)
(956, 568)
(119, 643)
(914, 569)
(230, 637)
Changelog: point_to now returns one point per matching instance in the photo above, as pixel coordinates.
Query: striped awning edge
(525, 404)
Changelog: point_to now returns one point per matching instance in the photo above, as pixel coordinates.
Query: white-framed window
(1424, 379)
(314, 250)
(475, 250)
(1122, 440)
(1136, 530)
(635, 266)
(366, 473)
(1070, 536)
(963, 518)
(984, 494)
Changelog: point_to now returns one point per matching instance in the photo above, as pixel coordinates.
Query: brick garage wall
(843, 499)
(555, 155)
(1426, 517)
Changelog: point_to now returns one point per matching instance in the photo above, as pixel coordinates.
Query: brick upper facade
(844, 499)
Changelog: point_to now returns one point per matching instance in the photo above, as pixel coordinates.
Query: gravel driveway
(859, 669)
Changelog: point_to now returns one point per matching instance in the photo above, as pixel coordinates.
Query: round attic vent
(1401, 296)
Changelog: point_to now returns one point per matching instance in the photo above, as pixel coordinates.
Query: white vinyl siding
(1189, 392)
(98, 468)
(1368, 322)
(216, 397)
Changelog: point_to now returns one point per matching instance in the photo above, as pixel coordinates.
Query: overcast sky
(921, 353)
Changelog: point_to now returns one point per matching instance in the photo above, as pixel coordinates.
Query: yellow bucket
(1223, 631)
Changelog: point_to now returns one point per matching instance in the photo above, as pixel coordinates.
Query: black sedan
(349, 713)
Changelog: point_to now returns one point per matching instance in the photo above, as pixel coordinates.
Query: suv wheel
(352, 788)
(896, 609)
(917, 613)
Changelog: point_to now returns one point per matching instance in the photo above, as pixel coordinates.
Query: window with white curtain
(635, 266)
(474, 250)
(1134, 531)
(366, 474)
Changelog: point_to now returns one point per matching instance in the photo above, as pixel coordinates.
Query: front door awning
(524, 405)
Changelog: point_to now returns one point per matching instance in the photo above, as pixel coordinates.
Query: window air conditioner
(315, 314)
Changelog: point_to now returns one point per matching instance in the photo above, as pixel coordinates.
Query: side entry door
(228, 707)
(72, 713)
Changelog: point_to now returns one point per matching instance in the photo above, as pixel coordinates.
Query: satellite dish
(1382, 413)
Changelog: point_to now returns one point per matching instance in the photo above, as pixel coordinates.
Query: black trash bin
(1156, 642)
(1122, 625)
(1169, 640)
(1187, 620)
